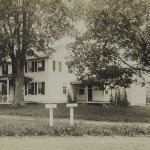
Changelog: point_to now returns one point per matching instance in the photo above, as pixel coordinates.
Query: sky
(81, 28)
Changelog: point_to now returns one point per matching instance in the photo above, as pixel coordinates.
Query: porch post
(7, 90)
(87, 97)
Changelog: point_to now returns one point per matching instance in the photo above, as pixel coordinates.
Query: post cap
(50, 105)
(72, 105)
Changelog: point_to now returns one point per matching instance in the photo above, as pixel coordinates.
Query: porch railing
(5, 98)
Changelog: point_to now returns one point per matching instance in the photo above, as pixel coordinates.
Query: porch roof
(3, 78)
(76, 82)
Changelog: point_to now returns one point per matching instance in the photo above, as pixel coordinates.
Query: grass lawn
(40, 127)
(84, 111)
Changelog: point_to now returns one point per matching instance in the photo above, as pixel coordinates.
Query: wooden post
(51, 107)
(7, 90)
(51, 117)
(71, 116)
(71, 106)
(87, 98)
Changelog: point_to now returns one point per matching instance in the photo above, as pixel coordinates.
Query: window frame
(4, 69)
(29, 89)
(39, 88)
(29, 69)
(81, 90)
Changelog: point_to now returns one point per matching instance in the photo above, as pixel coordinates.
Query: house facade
(135, 94)
(47, 79)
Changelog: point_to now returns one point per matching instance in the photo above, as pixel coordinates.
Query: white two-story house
(47, 79)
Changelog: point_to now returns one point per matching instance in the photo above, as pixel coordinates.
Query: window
(41, 88)
(34, 87)
(35, 66)
(29, 88)
(81, 91)
(59, 64)
(41, 65)
(29, 66)
(64, 90)
(54, 65)
(5, 69)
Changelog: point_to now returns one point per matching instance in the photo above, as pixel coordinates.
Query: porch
(7, 88)
(89, 94)
(6, 99)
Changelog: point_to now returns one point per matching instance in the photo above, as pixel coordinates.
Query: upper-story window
(54, 65)
(34, 66)
(29, 65)
(5, 69)
(41, 65)
(59, 64)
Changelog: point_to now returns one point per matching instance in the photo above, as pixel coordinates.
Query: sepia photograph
(74, 74)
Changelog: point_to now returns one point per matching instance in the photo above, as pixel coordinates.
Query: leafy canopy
(117, 38)
(28, 26)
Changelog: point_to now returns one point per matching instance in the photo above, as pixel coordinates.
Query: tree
(124, 28)
(27, 27)
(117, 37)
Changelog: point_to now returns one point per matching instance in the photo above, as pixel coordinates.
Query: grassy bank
(11, 127)
(85, 112)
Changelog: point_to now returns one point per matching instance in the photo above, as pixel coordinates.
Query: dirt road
(75, 143)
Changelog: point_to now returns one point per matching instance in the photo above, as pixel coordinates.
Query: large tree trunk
(18, 72)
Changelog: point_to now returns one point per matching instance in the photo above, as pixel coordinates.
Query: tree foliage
(117, 37)
(28, 26)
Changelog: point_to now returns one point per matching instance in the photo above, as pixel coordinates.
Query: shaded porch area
(7, 88)
(89, 94)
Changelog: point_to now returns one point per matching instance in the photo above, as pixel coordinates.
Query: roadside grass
(20, 127)
(84, 112)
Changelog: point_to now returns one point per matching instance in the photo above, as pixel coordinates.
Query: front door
(90, 92)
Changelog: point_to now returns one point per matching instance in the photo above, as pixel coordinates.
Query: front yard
(85, 112)
(32, 120)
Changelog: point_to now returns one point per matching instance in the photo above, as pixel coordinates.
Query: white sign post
(51, 107)
(71, 106)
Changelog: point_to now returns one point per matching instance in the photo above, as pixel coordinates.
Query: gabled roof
(76, 82)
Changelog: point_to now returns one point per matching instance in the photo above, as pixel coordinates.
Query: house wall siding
(39, 76)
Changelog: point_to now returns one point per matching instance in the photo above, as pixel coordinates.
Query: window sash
(5, 69)
(29, 88)
(64, 90)
(41, 88)
(29, 66)
(34, 88)
(81, 91)
(34, 66)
